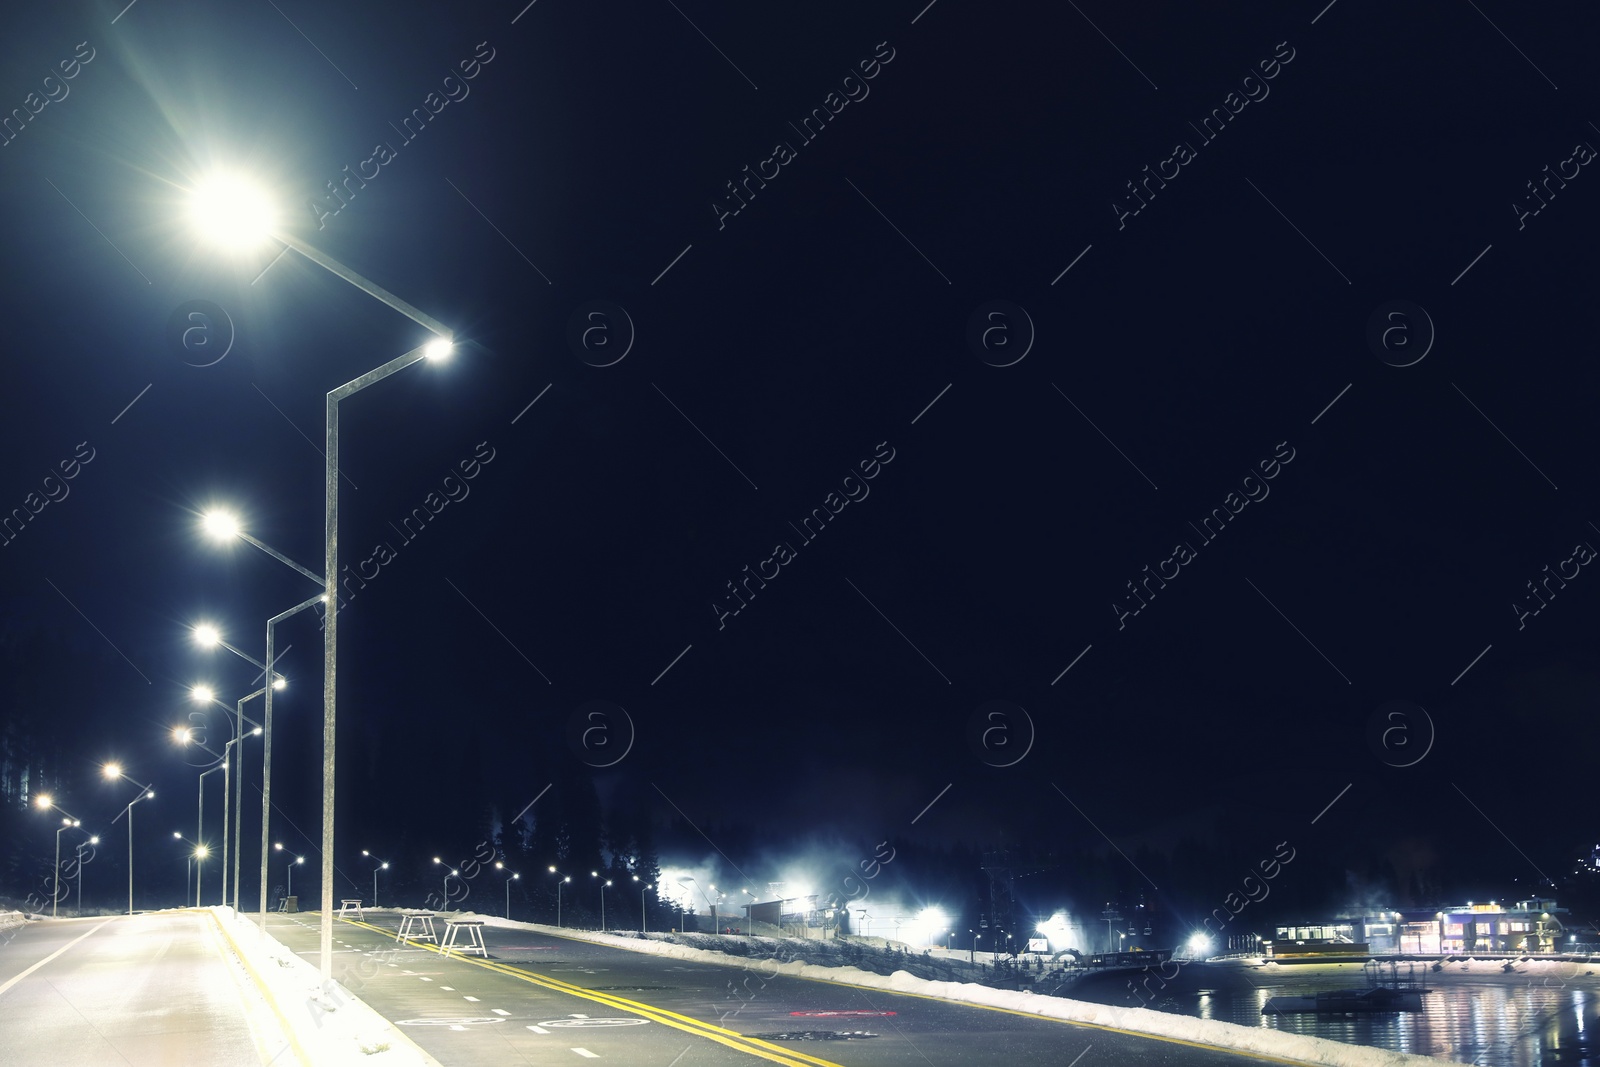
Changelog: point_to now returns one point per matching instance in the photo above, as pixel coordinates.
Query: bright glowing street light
(232, 212)
(224, 526)
(220, 525)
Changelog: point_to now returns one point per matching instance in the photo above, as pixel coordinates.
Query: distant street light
(561, 880)
(234, 798)
(45, 802)
(972, 954)
(94, 839)
(289, 866)
(196, 853)
(511, 876)
(113, 771)
(382, 865)
(596, 874)
(222, 525)
(643, 888)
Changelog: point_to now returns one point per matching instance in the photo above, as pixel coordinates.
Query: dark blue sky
(1359, 155)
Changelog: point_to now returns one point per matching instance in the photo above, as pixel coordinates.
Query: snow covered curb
(325, 1024)
(1276, 1043)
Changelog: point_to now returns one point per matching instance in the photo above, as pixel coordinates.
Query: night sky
(1040, 292)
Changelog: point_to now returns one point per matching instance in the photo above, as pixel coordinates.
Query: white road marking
(50, 957)
(451, 988)
(538, 1029)
(473, 999)
(426, 978)
(500, 1011)
(454, 1027)
(586, 1053)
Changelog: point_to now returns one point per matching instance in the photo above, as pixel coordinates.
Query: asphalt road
(546, 999)
(142, 990)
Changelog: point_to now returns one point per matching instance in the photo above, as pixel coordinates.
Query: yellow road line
(643, 1009)
(266, 994)
(732, 1039)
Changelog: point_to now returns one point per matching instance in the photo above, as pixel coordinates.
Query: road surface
(546, 999)
(152, 989)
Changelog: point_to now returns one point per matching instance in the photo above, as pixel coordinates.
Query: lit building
(1528, 926)
(1493, 928)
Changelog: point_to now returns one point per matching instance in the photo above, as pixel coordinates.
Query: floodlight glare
(231, 211)
(220, 525)
(207, 636)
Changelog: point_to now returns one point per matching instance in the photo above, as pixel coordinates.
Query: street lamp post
(382, 865)
(561, 880)
(643, 888)
(972, 954)
(230, 210)
(289, 865)
(196, 857)
(46, 802)
(266, 749)
(435, 349)
(223, 526)
(234, 797)
(188, 871)
(596, 874)
(511, 876)
(94, 839)
(200, 816)
(114, 770)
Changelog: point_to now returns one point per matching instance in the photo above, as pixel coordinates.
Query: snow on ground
(1277, 1043)
(9, 919)
(326, 1026)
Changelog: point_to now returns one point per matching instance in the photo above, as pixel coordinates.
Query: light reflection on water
(1535, 1018)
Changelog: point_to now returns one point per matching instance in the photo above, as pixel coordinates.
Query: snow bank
(324, 1025)
(1277, 1043)
(11, 919)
